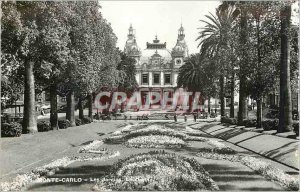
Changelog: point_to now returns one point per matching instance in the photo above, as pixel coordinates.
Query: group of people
(146, 117)
(184, 116)
(143, 117)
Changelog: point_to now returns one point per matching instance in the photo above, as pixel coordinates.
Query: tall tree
(25, 44)
(263, 53)
(215, 40)
(285, 106)
(54, 53)
(93, 51)
(242, 112)
(12, 69)
(127, 65)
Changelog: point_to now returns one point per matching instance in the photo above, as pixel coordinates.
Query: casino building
(157, 67)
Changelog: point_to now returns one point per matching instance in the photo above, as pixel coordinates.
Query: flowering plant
(156, 170)
(156, 141)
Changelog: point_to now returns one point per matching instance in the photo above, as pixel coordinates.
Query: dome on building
(178, 48)
(147, 54)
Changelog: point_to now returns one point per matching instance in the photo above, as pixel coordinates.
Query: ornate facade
(157, 67)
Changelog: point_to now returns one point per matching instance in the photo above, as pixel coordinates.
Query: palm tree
(198, 75)
(189, 74)
(214, 41)
(285, 107)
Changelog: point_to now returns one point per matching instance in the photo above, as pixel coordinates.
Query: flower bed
(154, 129)
(220, 147)
(156, 141)
(128, 128)
(263, 168)
(160, 135)
(92, 146)
(156, 171)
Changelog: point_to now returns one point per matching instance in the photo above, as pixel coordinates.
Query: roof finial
(181, 22)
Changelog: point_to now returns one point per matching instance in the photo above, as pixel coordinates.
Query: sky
(161, 18)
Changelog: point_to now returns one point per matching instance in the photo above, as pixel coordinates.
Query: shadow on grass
(226, 176)
(230, 133)
(88, 174)
(292, 136)
(101, 134)
(86, 143)
(259, 189)
(208, 126)
(283, 150)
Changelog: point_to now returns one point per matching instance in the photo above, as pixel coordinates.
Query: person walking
(166, 116)
(195, 117)
(185, 118)
(175, 117)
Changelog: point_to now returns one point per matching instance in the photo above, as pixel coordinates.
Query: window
(156, 79)
(145, 79)
(167, 78)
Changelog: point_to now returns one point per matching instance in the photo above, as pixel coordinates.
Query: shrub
(296, 128)
(43, 126)
(78, 122)
(86, 120)
(64, 123)
(249, 122)
(228, 120)
(270, 124)
(273, 113)
(12, 129)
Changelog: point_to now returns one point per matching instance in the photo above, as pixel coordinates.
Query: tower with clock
(180, 51)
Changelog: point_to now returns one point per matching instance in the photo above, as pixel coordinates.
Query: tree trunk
(80, 108)
(90, 104)
(222, 98)
(208, 105)
(259, 113)
(53, 109)
(29, 121)
(70, 113)
(259, 59)
(232, 96)
(285, 105)
(242, 113)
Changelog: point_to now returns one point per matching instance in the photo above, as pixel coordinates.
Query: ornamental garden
(152, 156)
